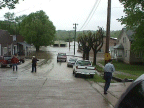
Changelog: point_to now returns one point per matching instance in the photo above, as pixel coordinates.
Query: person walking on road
(34, 63)
(108, 70)
(14, 62)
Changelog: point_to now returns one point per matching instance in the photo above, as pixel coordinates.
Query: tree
(9, 17)
(97, 42)
(18, 20)
(90, 40)
(37, 29)
(8, 3)
(85, 41)
(134, 19)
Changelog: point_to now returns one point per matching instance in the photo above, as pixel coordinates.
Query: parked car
(71, 62)
(133, 97)
(21, 60)
(5, 61)
(61, 57)
(84, 67)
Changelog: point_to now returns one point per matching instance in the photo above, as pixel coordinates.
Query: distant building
(60, 44)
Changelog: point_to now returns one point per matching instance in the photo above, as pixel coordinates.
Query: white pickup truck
(84, 67)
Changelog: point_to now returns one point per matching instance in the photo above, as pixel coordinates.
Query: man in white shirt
(108, 70)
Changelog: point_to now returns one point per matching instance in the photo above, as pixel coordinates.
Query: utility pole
(74, 35)
(107, 55)
(69, 40)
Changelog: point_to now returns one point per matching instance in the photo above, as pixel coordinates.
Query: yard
(123, 71)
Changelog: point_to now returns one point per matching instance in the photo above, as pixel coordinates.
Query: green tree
(8, 3)
(37, 29)
(134, 19)
(18, 21)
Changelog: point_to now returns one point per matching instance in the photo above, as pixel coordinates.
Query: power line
(92, 14)
(89, 14)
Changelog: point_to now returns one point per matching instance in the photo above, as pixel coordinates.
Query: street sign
(107, 56)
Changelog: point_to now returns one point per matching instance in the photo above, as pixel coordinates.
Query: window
(138, 54)
(14, 37)
(124, 39)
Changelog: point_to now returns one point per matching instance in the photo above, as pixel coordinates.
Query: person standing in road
(108, 70)
(14, 62)
(34, 63)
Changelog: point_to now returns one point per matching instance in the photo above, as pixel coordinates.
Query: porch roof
(24, 44)
(119, 46)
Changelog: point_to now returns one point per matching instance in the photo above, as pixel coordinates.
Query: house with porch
(12, 44)
(122, 51)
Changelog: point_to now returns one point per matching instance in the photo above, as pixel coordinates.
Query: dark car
(71, 62)
(5, 61)
(61, 57)
(133, 97)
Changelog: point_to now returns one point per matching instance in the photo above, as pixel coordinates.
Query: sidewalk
(114, 92)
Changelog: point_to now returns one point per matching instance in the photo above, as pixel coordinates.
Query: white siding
(0, 49)
(126, 44)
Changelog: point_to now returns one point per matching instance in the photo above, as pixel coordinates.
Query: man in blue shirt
(108, 70)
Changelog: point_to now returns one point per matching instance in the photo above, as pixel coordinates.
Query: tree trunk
(87, 55)
(37, 48)
(94, 59)
(84, 55)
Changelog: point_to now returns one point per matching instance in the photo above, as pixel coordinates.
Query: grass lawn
(127, 68)
(96, 78)
(134, 70)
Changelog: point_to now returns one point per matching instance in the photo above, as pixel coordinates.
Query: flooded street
(52, 86)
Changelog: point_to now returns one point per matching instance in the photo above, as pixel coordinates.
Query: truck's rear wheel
(76, 75)
(91, 76)
(0, 65)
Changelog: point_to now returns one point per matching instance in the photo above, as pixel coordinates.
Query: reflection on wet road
(52, 86)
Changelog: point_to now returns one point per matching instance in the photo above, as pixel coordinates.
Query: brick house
(12, 44)
(122, 51)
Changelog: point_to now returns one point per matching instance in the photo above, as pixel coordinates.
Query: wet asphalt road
(53, 86)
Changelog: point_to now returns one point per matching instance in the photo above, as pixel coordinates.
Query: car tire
(76, 75)
(91, 76)
(73, 72)
(10, 66)
(67, 65)
(0, 65)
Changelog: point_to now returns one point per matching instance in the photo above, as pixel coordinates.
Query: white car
(84, 67)
(71, 62)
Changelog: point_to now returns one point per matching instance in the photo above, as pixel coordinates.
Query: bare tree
(97, 42)
(85, 41)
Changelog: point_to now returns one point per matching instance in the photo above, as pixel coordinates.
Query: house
(59, 44)
(12, 44)
(122, 51)
(112, 42)
(5, 42)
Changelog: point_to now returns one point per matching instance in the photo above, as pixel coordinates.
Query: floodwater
(52, 86)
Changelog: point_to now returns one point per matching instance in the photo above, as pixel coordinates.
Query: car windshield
(7, 58)
(83, 63)
(62, 54)
(71, 59)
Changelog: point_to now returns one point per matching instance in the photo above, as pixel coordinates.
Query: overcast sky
(64, 13)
